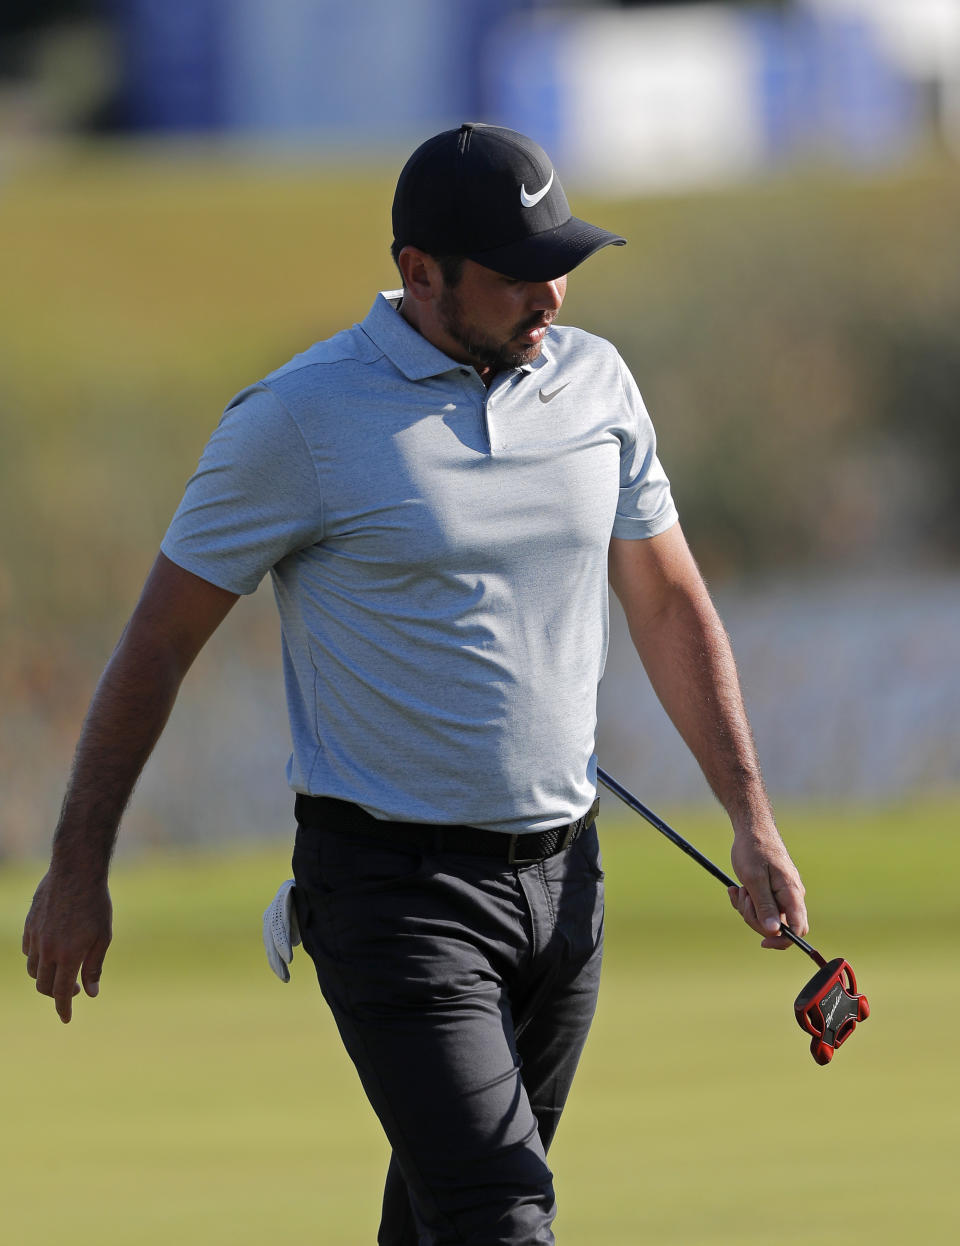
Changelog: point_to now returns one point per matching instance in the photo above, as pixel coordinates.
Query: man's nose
(548, 295)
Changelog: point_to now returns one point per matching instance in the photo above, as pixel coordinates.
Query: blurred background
(191, 191)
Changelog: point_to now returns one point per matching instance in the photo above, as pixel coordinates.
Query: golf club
(828, 1008)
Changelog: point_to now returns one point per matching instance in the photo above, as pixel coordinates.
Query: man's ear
(422, 278)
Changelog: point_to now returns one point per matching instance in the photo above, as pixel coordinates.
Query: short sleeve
(253, 499)
(645, 506)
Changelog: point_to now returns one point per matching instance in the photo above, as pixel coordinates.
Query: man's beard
(498, 356)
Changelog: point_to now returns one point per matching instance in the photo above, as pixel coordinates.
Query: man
(439, 494)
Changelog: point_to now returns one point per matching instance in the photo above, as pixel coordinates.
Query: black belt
(526, 848)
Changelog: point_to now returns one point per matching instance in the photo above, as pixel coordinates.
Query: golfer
(440, 495)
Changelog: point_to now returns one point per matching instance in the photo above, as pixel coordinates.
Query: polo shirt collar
(407, 349)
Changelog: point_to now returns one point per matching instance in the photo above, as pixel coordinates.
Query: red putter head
(828, 1008)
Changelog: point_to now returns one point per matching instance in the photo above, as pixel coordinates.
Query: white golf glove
(281, 934)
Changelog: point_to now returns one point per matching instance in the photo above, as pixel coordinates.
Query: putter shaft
(685, 846)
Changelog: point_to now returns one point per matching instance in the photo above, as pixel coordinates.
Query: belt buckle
(513, 859)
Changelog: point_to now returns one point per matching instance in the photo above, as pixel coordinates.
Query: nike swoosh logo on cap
(530, 201)
(545, 397)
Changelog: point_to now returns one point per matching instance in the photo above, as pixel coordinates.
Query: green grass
(199, 1101)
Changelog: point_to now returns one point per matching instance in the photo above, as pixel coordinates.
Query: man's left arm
(687, 656)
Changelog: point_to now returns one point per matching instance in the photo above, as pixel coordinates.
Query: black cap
(491, 194)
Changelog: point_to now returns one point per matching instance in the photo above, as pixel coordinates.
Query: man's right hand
(68, 928)
(67, 932)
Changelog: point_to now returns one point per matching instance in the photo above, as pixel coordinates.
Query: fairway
(200, 1101)
(809, 323)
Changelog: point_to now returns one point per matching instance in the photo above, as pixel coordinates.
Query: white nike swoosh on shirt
(545, 397)
(529, 201)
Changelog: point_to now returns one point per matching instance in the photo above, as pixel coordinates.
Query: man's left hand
(771, 892)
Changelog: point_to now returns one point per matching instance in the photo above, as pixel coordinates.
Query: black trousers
(463, 989)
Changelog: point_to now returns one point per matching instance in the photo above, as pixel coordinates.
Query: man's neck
(410, 310)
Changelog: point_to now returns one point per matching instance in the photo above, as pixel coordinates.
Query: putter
(828, 1008)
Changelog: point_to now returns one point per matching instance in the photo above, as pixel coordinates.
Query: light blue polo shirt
(439, 557)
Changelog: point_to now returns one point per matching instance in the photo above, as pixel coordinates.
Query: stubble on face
(489, 352)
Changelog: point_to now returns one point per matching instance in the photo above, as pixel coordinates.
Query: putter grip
(685, 846)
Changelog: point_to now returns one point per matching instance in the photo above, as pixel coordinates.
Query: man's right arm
(68, 928)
